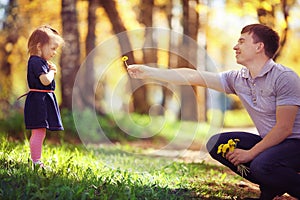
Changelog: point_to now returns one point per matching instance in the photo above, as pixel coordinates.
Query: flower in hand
(124, 59)
(229, 147)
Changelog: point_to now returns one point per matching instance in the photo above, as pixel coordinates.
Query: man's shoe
(269, 196)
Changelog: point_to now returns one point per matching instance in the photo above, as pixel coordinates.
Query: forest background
(161, 33)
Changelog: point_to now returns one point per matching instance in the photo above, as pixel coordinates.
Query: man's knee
(212, 143)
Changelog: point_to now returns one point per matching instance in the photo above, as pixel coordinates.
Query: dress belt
(38, 90)
(34, 90)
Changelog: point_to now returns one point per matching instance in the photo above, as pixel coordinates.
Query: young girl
(41, 111)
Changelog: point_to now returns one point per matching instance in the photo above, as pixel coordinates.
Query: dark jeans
(275, 169)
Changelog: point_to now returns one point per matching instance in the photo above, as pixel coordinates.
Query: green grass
(109, 172)
(122, 127)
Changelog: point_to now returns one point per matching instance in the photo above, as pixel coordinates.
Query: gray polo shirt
(276, 85)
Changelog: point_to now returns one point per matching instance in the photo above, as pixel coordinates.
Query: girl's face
(48, 51)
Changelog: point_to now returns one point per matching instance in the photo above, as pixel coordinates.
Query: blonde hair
(42, 35)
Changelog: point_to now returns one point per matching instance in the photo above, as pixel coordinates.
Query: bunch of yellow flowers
(230, 146)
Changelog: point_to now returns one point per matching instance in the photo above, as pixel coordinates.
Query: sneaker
(38, 164)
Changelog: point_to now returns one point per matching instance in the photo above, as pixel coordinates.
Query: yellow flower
(220, 147)
(124, 58)
(225, 149)
(230, 146)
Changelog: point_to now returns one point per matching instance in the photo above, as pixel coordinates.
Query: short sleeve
(227, 81)
(38, 67)
(288, 89)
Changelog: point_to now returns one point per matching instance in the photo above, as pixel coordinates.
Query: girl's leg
(36, 142)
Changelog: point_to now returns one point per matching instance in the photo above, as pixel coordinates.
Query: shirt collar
(245, 72)
(267, 67)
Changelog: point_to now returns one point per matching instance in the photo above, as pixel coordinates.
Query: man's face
(245, 49)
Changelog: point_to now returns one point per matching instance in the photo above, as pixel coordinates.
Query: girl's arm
(46, 79)
(180, 76)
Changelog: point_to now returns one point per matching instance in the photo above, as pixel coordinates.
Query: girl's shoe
(38, 164)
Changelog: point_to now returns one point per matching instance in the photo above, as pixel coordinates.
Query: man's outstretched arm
(179, 76)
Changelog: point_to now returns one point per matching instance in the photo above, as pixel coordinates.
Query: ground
(196, 154)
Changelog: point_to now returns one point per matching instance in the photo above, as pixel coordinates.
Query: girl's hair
(266, 35)
(42, 35)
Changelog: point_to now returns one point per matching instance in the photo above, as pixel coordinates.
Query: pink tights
(36, 142)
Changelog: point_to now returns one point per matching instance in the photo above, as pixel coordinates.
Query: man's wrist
(253, 152)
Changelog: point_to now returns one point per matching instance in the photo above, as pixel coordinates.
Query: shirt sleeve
(227, 81)
(36, 67)
(288, 89)
(39, 67)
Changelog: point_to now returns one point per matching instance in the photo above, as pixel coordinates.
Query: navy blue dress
(41, 109)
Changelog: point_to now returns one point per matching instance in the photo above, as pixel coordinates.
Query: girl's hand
(52, 66)
(46, 79)
(138, 71)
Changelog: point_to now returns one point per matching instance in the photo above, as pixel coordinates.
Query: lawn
(111, 172)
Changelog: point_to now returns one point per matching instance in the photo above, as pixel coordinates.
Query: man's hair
(42, 35)
(264, 34)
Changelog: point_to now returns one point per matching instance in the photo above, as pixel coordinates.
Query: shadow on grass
(21, 181)
(108, 173)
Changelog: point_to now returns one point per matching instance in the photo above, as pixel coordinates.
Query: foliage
(75, 172)
(218, 38)
(121, 127)
(13, 124)
(237, 118)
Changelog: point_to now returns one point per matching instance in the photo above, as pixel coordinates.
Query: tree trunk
(87, 92)
(173, 58)
(70, 57)
(268, 17)
(286, 12)
(150, 54)
(10, 34)
(139, 91)
(190, 28)
(149, 50)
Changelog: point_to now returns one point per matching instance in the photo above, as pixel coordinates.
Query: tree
(139, 97)
(88, 88)
(190, 28)
(149, 54)
(267, 12)
(266, 15)
(173, 45)
(9, 37)
(70, 57)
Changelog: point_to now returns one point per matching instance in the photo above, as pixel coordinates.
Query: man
(271, 94)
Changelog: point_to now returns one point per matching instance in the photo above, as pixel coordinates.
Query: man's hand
(239, 156)
(138, 71)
